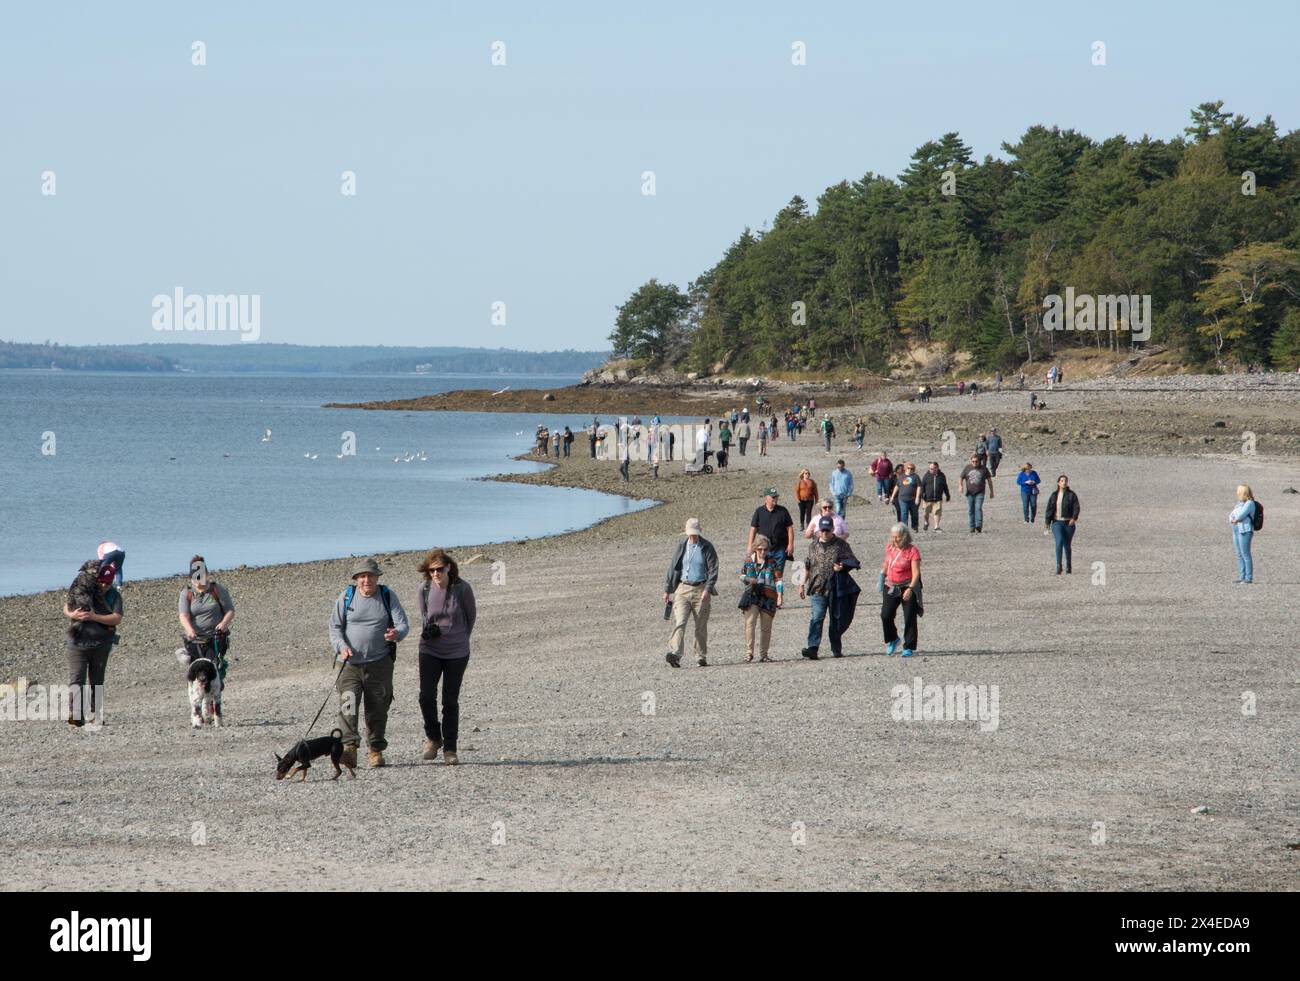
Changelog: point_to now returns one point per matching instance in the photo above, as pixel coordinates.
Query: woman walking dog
(448, 612)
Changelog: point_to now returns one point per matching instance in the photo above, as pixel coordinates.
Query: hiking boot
(349, 757)
(450, 758)
(674, 660)
(376, 758)
(431, 748)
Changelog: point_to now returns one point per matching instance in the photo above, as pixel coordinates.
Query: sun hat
(365, 565)
(692, 526)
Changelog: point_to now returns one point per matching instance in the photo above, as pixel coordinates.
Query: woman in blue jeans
(1242, 520)
(1062, 515)
(1028, 480)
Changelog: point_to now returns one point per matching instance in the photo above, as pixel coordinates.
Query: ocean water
(172, 465)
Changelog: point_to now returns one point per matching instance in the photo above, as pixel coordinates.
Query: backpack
(1257, 519)
(350, 592)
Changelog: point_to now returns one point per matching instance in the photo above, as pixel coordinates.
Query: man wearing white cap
(692, 578)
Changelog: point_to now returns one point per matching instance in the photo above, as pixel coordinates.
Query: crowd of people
(824, 576)
(368, 620)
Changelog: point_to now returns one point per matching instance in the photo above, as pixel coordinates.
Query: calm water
(171, 465)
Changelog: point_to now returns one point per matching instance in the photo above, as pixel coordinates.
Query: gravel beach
(1142, 687)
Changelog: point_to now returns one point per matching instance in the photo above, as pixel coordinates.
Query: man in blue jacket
(841, 487)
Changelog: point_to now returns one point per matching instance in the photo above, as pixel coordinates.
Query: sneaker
(937, 528)
(376, 758)
(704, 663)
(450, 758)
(892, 648)
(908, 652)
(431, 748)
(810, 653)
(674, 660)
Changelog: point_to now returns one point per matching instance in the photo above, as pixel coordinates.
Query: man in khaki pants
(692, 578)
(365, 627)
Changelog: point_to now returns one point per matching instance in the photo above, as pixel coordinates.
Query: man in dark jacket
(692, 578)
(995, 451)
(828, 558)
(934, 491)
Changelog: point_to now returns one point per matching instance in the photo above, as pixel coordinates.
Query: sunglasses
(437, 569)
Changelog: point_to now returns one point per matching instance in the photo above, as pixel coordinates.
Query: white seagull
(503, 391)
(267, 437)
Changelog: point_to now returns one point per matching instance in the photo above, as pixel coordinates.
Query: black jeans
(889, 609)
(452, 673)
(86, 670)
(805, 513)
(743, 441)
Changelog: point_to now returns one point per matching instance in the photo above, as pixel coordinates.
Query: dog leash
(333, 685)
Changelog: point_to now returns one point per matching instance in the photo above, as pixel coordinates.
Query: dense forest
(965, 254)
(298, 358)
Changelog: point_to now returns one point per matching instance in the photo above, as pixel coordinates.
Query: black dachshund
(306, 750)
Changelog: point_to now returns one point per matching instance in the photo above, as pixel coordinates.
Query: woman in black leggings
(447, 611)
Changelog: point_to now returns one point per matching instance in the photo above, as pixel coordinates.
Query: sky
(521, 184)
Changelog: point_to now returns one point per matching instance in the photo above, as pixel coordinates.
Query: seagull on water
(267, 437)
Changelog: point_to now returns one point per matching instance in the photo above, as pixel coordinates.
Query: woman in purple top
(448, 612)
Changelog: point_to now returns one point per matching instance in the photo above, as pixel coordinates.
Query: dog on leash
(306, 750)
(205, 690)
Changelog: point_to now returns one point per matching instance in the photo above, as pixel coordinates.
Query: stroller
(701, 462)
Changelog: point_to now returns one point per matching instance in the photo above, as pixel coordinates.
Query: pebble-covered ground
(1142, 687)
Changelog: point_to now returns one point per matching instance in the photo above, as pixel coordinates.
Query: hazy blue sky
(521, 183)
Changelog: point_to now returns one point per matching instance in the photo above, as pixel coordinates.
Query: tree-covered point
(966, 253)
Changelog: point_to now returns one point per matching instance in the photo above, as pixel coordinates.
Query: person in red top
(900, 585)
(882, 469)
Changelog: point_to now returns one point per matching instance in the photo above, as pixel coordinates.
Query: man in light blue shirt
(692, 578)
(841, 487)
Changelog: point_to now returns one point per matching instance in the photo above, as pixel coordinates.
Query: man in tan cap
(692, 578)
(365, 627)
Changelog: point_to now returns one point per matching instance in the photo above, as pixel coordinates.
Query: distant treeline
(371, 359)
(294, 358)
(47, 355)
(965, 254)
